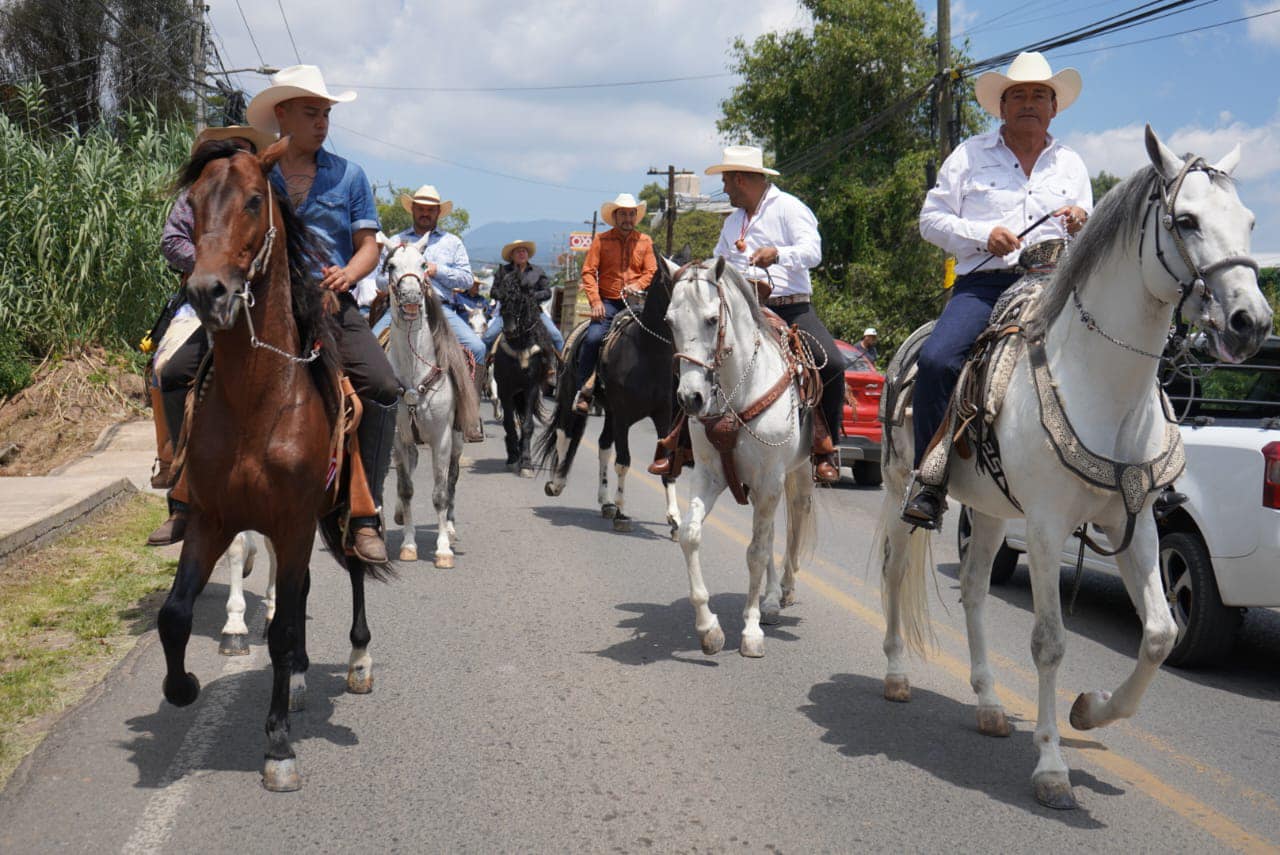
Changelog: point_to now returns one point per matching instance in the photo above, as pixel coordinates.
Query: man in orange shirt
(620, 261)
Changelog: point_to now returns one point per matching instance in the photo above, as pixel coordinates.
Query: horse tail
(330, 526)
(562, 416)
(465, 400)
(802, 520)
(907, 557)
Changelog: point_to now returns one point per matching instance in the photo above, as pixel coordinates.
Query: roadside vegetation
(68, 612)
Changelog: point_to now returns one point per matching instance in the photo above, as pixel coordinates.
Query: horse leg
(607, 508)
(455, 467)
(493, 396)
(1139, 567)
(269, 598)
(300, 662)
(1045, 535)
(673, 506)
(240, 558)
(441, 460)
(621, 466)
(705, 492)
(975, 578)
(565, 444)
(903, 554)
(800, 534)
(509, 429)
(200, 550)
(280, 771)
(360, 663)
(527, 427)
(406, 462)
(759, 558)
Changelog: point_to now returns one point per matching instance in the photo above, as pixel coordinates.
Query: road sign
(579, 241)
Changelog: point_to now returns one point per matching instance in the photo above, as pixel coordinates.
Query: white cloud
(1267, 28)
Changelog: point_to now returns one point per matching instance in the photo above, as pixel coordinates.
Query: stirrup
(913, 514)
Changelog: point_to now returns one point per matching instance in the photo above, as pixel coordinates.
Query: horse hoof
(234, 644)
(712, 640)
(525, 472)
(408, 553)
(609, 511)
(752, 647)
(675, 533)
(993, 722)
(181, 691)
(297, 698)
(897, 688)
(770, 617)
(621, 523)
(444, 561)
(551, 489)
(1084, 711)
(281, 776)
(1053, 790)
(359, 681)
(789, 598)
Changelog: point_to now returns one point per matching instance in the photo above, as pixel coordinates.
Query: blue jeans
(589, 355)
(461, 330)
(962, 321)
(495, 327)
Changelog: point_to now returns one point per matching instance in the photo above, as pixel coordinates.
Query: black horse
(523, 355)
(635, 380)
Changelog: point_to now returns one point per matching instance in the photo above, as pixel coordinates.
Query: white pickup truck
(1220, 551)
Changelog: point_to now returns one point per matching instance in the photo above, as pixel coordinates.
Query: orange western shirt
(615, 262)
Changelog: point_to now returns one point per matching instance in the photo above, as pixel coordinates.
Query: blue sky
(576, 148)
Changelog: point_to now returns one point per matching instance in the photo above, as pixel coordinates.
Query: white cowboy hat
(870, 331)
(516, 244)
(624, 200)
(742, 158)
(1029, 67)
(259, 139)
(296, 81)
(427, 194)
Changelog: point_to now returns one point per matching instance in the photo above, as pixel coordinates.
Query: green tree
(806, 96)
(1102, 182)
(394, 218)
(698, 229)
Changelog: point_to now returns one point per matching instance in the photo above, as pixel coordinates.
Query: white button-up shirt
(782, 221)
(981, 185)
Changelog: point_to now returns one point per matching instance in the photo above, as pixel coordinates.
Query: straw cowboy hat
(624, 200)
(1029, 67)
(259, 139)
(296, 81)
(425, 195)
(516, 244)
(742, 158)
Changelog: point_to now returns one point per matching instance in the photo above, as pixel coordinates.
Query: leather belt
(788, 300)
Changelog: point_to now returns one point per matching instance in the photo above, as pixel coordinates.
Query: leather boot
(376, 432)
(661, 465)
(926, 507)
(161, 478)
(582, 403)
(175, 408)
(826, 468)
(173, 529)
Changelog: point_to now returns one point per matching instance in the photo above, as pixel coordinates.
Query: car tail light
(1271, 475)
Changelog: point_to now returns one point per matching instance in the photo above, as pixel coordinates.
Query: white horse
(438, 395)
(730, 366)
(485, 384)
(1084, 385)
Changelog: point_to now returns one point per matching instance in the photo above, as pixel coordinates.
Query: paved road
(548, 694)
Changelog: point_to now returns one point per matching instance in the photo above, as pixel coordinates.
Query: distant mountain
(484, 243)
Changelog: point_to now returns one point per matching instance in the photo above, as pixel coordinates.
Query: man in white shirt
(998, 192)
(772, 239)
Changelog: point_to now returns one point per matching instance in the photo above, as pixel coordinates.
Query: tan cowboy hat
(516, 244)
(296, 81)
(624, 200)
(742, 158)
(427, 194)
(259, 139)
(1029, 67)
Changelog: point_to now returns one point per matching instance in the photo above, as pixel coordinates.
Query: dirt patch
(60, 415)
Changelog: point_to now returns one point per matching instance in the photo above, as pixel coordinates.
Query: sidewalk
(41, 508)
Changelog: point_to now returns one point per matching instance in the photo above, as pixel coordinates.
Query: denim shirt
(453, 265)
(339, 204)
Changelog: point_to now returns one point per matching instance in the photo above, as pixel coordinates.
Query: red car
(860, 445)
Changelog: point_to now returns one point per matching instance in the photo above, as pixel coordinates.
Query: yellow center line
(1212, 821)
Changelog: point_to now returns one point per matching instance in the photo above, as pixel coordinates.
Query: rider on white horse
(997, 192)
(772, 240)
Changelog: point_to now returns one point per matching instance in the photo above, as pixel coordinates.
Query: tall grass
(80, 222)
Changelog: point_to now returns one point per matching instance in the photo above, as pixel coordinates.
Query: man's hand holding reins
(764, 256)
(1074, 217)
(1001, 241)
(597, 311)
(336, 279)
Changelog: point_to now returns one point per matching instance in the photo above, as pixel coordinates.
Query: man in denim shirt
(448, 266)
(334, 198)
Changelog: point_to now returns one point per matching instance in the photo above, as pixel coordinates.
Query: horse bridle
(721, 349)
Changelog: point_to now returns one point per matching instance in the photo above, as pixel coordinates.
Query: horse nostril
(218, 291)
(1241, 323)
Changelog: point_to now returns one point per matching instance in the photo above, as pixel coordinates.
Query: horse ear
(684, 256)
(719, 266)
(1162, 157)
(1230, 162)
(274, 152)
(421, 245)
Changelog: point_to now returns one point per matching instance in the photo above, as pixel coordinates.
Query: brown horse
(259, 445)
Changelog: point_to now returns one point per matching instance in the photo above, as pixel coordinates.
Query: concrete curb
(64, 516)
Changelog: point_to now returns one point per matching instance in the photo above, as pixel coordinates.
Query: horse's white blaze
(1110, 394)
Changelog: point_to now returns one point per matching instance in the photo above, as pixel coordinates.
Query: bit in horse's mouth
(410, 310)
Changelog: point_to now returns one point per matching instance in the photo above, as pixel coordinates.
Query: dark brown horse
(259, 443)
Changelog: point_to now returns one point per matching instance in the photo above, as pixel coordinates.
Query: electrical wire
(289, 30)
(249, 30)
(549, 88)
(1171, 35)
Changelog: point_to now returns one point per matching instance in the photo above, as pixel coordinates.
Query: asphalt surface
(548, 694)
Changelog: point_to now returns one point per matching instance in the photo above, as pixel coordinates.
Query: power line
(288, 30)
(467, 166)
(550, 88)
(995, 25)
(249, 30)
(1171, 35)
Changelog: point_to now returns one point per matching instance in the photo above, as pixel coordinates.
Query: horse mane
(452, 359)
(524, 307)
(748, 292)
(312, 318)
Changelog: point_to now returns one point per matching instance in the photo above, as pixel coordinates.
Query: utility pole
(670, 214)
(945, 109)
(197, 65)
(595, 221)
